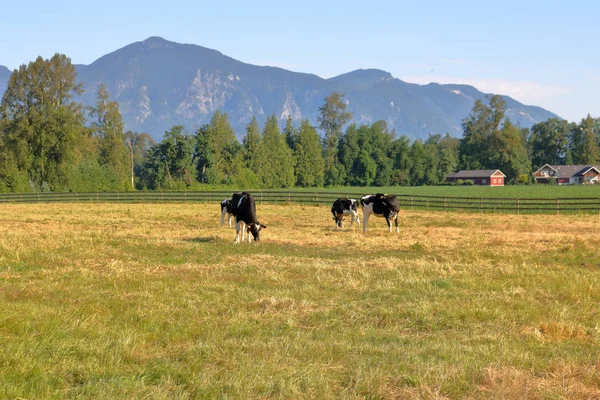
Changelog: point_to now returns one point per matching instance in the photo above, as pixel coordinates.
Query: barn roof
(477, 173)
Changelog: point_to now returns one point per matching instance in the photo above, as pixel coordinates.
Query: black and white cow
(226, 210)
(381, 205)
(341, 208)
(244, 209)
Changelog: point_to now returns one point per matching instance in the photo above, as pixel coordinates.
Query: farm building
(484, 177)
(568, 174)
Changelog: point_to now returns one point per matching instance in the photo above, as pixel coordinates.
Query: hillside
(159, 84)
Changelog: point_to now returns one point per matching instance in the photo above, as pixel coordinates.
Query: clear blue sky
(540, 52)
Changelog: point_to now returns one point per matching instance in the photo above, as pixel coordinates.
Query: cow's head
(225, 204)
(354, 205)
(255, 230)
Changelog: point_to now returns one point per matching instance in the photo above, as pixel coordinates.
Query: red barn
(483, 177)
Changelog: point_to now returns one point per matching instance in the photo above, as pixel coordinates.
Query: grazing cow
(244, 209)
(226, 210)
(343, 207)
(381, 205)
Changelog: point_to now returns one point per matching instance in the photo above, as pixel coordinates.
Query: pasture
(508, 191)
(154, 301)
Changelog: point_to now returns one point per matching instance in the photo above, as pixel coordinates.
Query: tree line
(51, 142)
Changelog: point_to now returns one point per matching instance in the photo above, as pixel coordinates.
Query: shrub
(468, 182)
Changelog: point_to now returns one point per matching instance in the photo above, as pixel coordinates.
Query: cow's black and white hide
(381, 205)
(226, 211)
(341, 208)
(244, 209)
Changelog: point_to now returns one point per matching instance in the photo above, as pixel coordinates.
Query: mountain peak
(371, 74)
(155, 42)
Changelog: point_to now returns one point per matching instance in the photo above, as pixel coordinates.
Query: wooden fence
(413, 202)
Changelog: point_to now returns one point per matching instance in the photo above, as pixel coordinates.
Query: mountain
(159, 84)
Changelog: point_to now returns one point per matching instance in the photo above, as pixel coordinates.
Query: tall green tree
(401, 161)
(588, 152)
(309, 167)
(419, 164)
(252, 145)
(333, 115)
(108, 128)
(170, 163)
(216, 149)
(42, 127)
(275, 168)
(548, 142)
(479, 129)
(291, 133)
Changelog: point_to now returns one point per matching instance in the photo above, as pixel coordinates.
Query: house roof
(568, 171)
(478, 173)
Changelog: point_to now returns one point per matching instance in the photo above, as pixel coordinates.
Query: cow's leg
(396, 220)
(357, 218)
(249, 236)
(388, 217)
(243, 224)
(229, 219)
(223, 212)
(365, 220)
(237, 232)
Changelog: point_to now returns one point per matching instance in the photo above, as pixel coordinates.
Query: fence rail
(414, 202)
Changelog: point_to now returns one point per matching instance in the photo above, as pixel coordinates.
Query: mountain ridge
(159, 83)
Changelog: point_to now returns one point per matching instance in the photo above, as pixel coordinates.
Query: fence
(413, 202)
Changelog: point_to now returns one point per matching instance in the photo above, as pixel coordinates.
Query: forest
(50, 142)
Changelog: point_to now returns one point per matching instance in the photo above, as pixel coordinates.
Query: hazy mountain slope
(159, 84)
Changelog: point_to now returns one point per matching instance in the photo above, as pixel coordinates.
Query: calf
(226, 210)
(381, 205)
(244, 208)
(343, 207)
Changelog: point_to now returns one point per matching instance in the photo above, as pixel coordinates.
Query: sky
(540, 53)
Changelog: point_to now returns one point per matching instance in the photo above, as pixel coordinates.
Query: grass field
(509, 191)
(154, 301)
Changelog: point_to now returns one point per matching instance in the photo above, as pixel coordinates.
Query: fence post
(444, 204)
(518, 207)
(316, 198)
(557, 206)
(480, 205)
(411, 202)
(96, 196)
(261, 198)
(289, 197)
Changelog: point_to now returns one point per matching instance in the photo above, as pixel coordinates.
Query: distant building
(483, 177)
(568, 174)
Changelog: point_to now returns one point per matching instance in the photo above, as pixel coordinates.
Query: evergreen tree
(590, 149)
(170, 162)
(309, 169)
(291, 133)
(216, 150)
(275, 169)
(418, 168)
(252, 146)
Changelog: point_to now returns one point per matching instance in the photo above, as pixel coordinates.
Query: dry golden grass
(155, 301)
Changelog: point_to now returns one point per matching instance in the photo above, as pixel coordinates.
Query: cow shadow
(205, 239)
